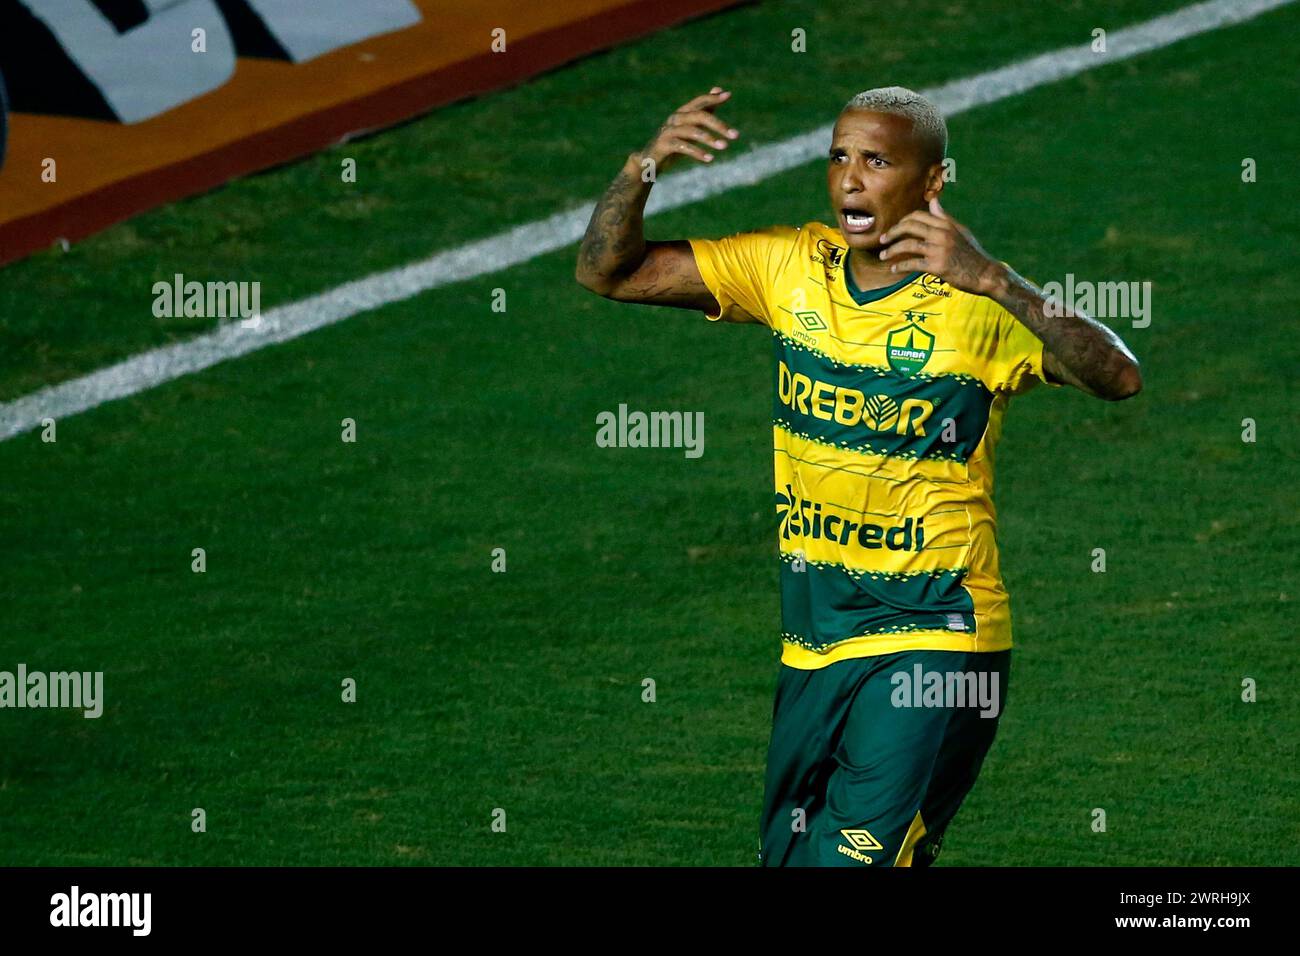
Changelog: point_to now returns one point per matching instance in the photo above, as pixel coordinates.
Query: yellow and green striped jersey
(887, 406)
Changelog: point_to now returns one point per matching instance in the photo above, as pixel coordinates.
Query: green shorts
(871, 757)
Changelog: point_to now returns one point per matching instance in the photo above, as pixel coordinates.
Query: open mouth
(857, 220)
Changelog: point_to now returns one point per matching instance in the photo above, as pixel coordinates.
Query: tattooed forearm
(614, 244)
(1080, 350)
(617, 262)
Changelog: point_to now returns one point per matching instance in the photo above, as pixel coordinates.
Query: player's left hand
(936, 243)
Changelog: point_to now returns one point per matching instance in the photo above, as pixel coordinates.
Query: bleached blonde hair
(927, 121)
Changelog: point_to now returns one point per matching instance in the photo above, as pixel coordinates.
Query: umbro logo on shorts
(859, 840)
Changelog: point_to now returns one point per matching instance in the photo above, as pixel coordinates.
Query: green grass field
(522, 690)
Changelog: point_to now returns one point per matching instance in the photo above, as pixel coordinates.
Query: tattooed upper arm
(669, 276)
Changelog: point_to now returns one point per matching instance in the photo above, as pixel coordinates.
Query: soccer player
(897, 344)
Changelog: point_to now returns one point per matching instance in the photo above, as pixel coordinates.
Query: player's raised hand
(691, 131)
(936, 243)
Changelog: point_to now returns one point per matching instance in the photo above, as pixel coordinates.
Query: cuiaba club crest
(909, 348)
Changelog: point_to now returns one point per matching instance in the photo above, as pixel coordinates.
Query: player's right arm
(615, 260)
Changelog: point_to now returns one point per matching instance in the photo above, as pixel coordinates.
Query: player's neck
(869, 272)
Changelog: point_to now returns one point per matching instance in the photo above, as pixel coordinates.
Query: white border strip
(152, 368)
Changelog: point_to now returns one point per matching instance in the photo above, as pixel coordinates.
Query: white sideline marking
(148, 369)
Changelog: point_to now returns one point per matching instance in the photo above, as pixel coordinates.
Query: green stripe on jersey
(823, 604)
(877, 411)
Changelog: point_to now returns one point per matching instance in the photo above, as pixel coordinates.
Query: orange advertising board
(281, 101)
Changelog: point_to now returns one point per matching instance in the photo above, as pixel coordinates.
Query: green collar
(871, 295)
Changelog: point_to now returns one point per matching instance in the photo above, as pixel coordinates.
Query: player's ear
(933, 181)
